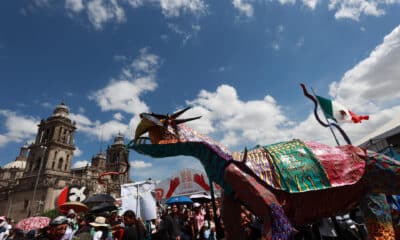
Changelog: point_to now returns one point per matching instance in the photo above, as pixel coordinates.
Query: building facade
(31, 184)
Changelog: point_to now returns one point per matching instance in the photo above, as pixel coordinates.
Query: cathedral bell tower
(117, 159)
(53, 149)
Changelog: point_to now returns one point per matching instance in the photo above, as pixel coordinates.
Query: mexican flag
(337, 112)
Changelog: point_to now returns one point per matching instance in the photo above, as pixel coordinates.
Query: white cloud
(18, 128)
(161, 168)
(118, 116)
(275, 45)
(41, 3)
(287, 1)
(74, 5)
(78, 152)
(370, 87)
(146, 63)
(101, 131)
(353, 9)
(244, 7)
(80, 164)
(245, 119)
(310, 3)
(103, 11)
(123, 93)
(185, 34)
(138, 164)
(373, 82)
(173, 8)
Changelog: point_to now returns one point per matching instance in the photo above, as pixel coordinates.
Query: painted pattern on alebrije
(383, 173)
(282, 229)
(261, 165)
(299, 170)
(345, 165)
(377, 217)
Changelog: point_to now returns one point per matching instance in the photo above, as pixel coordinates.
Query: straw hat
(99, 222)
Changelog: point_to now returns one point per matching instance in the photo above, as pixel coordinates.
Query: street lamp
(37, 178)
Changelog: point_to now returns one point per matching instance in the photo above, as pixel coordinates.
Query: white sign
(139, 197)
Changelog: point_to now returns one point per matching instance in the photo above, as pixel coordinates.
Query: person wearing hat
(55, 230)
(72, 225)
(101, 228)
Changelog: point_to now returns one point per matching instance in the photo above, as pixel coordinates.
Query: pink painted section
(343, 164)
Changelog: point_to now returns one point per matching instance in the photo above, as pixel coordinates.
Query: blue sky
(237, 62)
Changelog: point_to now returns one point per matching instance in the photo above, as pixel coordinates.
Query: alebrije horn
(245, 155)
(178, 113)
(151, 118)
(179, 121)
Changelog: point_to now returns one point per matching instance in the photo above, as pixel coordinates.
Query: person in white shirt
(4, 228)
(101, 228)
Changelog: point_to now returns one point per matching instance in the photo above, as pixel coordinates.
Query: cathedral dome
(15, 164)
(119, 139)
(61, 110)
(100, 155)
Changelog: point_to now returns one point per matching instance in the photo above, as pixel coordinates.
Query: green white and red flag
(337, 112)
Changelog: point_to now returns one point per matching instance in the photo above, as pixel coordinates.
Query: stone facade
(31, 184)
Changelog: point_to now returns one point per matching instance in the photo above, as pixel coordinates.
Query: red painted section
(344, 165)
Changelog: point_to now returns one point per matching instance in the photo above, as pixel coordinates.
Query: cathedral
(31, 184)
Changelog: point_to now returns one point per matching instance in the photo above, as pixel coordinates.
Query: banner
(186, 182)
(139, 197)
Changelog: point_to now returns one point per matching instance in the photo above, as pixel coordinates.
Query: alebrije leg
(281, 227)
(231, 210)
(260, 201)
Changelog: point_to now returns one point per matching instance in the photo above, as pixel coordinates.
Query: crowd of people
(173, 222)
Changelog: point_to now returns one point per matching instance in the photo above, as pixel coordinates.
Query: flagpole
(326, 119)
(340, 234)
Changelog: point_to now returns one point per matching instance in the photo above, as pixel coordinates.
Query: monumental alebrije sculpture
(285, 184)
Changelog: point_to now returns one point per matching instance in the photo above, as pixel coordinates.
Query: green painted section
(298, 167)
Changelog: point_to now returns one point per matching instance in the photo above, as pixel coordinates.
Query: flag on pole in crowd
(337, 112)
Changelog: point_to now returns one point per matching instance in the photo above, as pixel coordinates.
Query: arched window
(55, 155)
(69, 138)
(60, 163)
(53, 164)
(65, 166)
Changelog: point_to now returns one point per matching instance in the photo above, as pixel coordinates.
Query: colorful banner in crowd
(185, 182)
(140, 198)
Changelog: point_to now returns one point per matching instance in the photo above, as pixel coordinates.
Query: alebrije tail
(282, 229)
(377, 217)
(382, 173)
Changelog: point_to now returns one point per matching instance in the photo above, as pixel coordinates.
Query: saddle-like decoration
(296, 166)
